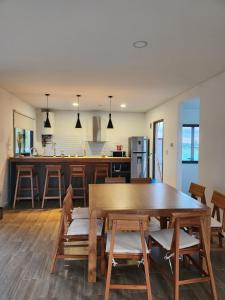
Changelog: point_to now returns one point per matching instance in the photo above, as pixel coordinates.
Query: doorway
(158, 135)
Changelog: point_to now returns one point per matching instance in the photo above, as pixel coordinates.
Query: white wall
(212, 141)
(72, 141)
(8, 104)
(189, 114)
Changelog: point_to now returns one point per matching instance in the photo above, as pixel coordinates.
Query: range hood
(97, 136)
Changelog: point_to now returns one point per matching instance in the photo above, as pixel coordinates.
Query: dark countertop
(75, 159)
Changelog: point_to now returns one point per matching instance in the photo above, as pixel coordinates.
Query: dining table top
(133, 196)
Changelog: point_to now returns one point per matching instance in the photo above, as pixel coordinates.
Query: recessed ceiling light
(75, 104)
(140, 44)
(123, 105)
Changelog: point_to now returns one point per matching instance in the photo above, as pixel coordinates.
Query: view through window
(190, 143)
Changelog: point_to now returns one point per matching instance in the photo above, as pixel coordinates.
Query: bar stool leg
(60, 190)
(32, 190)
(84, 191)
(45, 187)
(16, 189)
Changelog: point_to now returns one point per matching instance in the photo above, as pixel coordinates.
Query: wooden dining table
(158, 199)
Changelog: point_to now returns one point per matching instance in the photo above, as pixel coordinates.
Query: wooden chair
(218, 223)
(101, 171)
(126, 241)
(74, 234)
(77, 212)
(175, 241)
(77, 172)
(197, 192)
(115, 180)
(53, 172)
(140, 180)
(26, 172)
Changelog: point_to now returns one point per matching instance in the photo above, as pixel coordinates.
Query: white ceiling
(77, 46)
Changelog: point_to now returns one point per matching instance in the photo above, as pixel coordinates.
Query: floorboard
(26, 242)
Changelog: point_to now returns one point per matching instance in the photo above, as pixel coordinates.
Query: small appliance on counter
(119, 153)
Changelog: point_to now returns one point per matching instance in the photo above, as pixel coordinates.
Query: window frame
(192, 126)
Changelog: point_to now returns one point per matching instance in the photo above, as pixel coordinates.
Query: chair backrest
(141, 180)
(185, 219)
(115, 180)
(70, 190)
(197, 191)
(67, 208)
(218, 200)
(128, 222)
(25, 168)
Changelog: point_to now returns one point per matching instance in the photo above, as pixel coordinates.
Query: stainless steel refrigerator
(139, 154)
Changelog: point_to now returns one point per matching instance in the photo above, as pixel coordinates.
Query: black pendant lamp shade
(78, 123)
(110, 124)
(47, 123)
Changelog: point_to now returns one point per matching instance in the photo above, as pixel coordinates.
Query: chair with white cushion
(126, 241)
(176, 242)
(197, 191)
(77, 212)
(74, 234)
(218, 223)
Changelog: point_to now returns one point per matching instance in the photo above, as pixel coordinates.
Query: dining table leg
(92, 249)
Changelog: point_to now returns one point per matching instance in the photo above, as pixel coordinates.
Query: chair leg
(84, 192)
(16, 190)
(176, 277)
(102, 263)
(108, 277)
(208, 263)
(146, 266)
(44, 193)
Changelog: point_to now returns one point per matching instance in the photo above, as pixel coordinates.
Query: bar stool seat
(101, 172)
(54, 172)
(26, 172)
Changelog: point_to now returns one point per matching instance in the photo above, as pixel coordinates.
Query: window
(190, 143)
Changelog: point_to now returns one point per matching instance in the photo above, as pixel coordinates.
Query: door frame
(153, 156)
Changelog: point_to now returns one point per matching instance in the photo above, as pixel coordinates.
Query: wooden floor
(26, 241)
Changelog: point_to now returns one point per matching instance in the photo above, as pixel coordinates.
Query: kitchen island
(118, 166)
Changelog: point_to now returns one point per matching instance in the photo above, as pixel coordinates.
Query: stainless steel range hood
(96, 130)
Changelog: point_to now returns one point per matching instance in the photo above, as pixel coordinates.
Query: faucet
(32, 151)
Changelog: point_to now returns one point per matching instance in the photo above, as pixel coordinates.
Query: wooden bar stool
(26, 172)
(53, 172)
(101, 172)
(78, 172)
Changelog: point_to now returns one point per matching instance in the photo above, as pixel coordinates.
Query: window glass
(190, 143)
(186, 143)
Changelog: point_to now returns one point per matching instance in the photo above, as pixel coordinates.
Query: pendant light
(78, 123)
(110, 124)
(47, 123)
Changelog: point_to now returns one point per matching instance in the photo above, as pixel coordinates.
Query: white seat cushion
(81, 227)
(80, 213)
(154, 225)
(217, 224)
(164, 238)
(126, 242)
